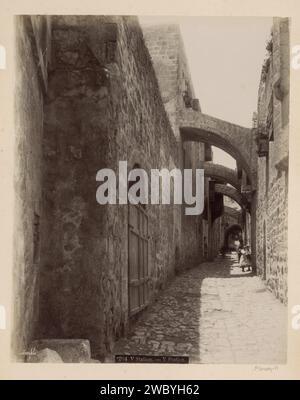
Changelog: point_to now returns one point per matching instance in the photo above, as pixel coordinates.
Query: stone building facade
(95, 101)
(167, 53)
(31, 85)
(271, 125)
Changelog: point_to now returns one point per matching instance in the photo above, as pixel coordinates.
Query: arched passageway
(222, 174)
(238, 142)
(234, 194)
(233, 139)
(233, 238)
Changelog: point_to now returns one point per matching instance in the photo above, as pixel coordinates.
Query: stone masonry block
(70, 350)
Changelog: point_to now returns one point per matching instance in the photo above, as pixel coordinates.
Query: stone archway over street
(221, 173)
(144, 278)
(234, 139)
(233, 193)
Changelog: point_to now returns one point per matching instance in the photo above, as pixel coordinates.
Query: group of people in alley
(244, 257)
(243, 254)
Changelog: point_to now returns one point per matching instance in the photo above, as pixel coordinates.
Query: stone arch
(233, 193)
(234, 139)
(221, 173)
(235, 230)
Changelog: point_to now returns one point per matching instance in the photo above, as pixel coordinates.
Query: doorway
(138, 263)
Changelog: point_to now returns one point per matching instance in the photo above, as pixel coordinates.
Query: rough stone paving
(119, 91)
(211, 314)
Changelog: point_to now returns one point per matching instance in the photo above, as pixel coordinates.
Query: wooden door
(138, 247)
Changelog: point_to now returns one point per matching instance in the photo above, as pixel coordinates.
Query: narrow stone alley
(120, 142)
(213, 313)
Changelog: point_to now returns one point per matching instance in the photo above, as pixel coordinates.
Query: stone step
(69, 350)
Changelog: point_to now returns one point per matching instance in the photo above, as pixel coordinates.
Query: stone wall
(272, 121)
(31, 40)
(192, 228)
(77, 247)
(167, 53)
(93, 91)
(95, 102)
(146, 138)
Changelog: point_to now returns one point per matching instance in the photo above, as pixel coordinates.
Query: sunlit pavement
(214, 313)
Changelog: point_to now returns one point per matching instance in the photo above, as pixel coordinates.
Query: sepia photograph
(151, 189)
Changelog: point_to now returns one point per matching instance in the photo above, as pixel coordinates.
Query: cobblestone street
(141, 170)
(214, 314)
